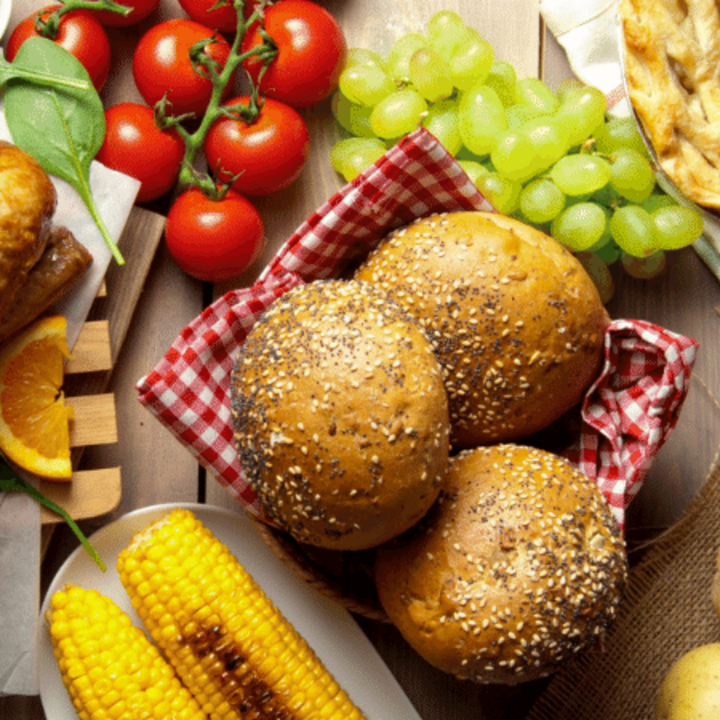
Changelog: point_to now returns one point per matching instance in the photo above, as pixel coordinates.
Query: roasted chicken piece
(61, 264)
(27, 203)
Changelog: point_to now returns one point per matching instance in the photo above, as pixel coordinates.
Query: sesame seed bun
(514, 319)
(518, 566)
(340, 415)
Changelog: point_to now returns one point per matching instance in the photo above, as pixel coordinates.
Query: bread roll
(515, 320)
(519, 566)
(340, 415)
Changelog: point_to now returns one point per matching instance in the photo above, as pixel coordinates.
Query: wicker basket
(344, 577)
(667, 611)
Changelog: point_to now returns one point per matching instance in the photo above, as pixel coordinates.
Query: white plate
(329, 629)
(5, 10)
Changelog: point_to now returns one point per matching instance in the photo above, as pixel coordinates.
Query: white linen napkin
(589, 32)
(114, 195)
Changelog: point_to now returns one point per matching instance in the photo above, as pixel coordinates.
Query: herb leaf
(61, 127)
(11, 71)
(10, 483)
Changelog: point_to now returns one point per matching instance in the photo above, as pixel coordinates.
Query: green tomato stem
(194, 141)
(50, 27)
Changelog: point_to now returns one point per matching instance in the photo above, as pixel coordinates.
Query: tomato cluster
(254, 143)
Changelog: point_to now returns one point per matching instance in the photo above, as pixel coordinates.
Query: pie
(672, 68)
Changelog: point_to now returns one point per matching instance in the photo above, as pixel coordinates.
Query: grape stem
(220, 76)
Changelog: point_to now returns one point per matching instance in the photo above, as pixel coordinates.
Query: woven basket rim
(292, 555)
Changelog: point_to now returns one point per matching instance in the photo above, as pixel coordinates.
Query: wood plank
(139, 243)
(95, 422)
(91, 352)
(90, 494)
(90, 370)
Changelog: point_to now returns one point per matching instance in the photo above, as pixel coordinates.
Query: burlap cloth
(666, 612)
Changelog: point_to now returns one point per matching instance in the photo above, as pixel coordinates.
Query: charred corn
(109, 667)
(234, 650)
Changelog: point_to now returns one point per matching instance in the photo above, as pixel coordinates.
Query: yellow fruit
(34, 421)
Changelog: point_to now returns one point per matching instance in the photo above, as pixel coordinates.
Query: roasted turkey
(38, 262)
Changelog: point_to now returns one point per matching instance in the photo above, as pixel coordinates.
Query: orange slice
(34, 421)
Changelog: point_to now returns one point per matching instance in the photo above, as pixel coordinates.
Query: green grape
(549, 137)
(341, 107)
(514, 156)
(619, 132)
(566, 86)
(580, 173)
(474, 170)
(502, 193)
(352, 156)
(363, 56)
(365, 84)
(351, 117)
(609, 252)
(657, 200)
(430, 75)
(541, 201)
(398, 62)
(677, 226)
(644, 268)
(633, 230)
(606, 237)
(398, 114)
(579, 226)
(442, 120)
(470, 63)
(632, 175)
(473, 33)
(517, 115)
(582, 111)
(465, 154)
(607, 196)
(502, 79)
(482, 119)
(446, 31)
(360, 121)
(534, 92)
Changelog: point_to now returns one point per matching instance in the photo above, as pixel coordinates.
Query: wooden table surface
(156, 469)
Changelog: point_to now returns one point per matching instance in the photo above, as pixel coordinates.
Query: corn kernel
(104, 660)
(229, 644)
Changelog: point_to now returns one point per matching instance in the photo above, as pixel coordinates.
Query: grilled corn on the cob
(109, 667)
(229, 644)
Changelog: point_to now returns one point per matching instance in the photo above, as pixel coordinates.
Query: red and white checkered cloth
(627, 415)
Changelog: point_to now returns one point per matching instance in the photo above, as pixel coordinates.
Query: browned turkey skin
(60, 265)
(38, 262)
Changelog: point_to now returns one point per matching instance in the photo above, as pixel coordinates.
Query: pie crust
(672, 68)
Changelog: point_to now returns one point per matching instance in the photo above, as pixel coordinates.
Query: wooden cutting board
(87, 374)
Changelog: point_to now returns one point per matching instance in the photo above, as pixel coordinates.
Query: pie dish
(672, 71)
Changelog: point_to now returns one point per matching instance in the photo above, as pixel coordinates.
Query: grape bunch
(554, 160)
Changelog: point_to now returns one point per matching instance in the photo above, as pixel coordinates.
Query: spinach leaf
(61, 127)
(12, 71)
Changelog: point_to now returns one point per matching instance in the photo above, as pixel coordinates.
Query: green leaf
(61, 127)
(10, 483)
(11, 71)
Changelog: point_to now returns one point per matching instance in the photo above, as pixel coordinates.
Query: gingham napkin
(627, 415)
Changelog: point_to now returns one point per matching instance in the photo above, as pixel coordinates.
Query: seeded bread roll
(517, 567)
(515, 320)
(340, 415)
